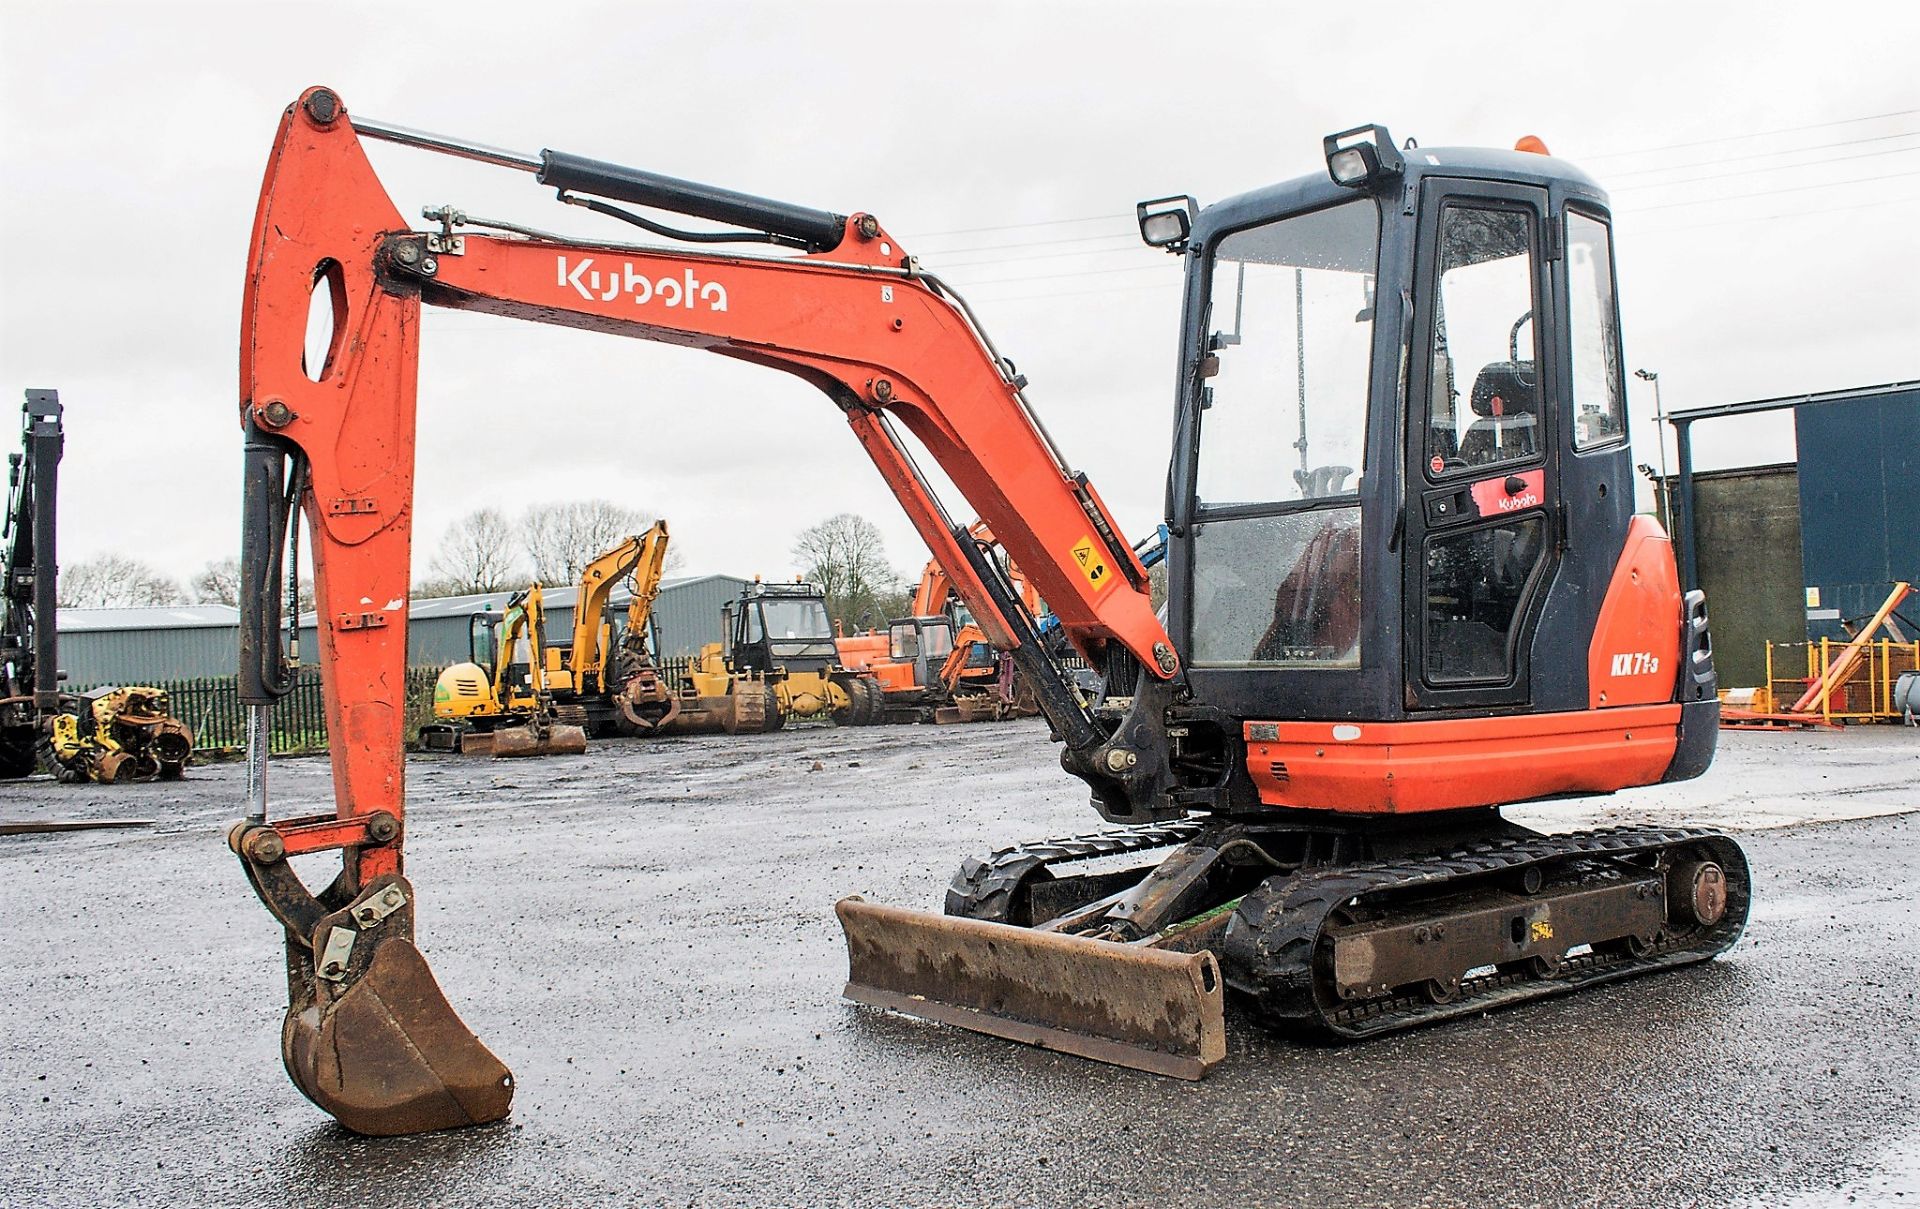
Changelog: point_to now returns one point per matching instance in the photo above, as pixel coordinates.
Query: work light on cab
(1165, 222)
(1360, 157)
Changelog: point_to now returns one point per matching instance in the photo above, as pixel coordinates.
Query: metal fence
(210, 706)
(1864, 690)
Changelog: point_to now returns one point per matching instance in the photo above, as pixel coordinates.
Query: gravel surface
(645, 935)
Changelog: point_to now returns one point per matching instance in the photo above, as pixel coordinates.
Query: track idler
(369, 1036)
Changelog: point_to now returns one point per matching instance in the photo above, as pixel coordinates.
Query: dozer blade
(559, 740)
(370, 1036)
(1149, 1009)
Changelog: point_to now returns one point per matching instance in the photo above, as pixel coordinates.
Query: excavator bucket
(1150, 1009)
(554, 739)
(369, 1035)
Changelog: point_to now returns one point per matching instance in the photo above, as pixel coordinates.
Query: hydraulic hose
(266, 510)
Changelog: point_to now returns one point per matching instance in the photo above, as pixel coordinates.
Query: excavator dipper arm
(643, 555)
(330, 428)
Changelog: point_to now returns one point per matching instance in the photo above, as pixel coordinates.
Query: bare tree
(846, 557)
(114, 581)
(476, 555)
(217, 583)
(562, 539)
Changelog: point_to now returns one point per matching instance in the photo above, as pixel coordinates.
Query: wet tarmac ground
(645, 935)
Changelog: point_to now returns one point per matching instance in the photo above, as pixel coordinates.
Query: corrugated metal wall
(687, 614)
(1859, 504)
(96, 657)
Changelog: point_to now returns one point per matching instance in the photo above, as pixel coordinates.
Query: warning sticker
(1092, 563)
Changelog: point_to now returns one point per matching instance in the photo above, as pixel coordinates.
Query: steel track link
(1271, 946)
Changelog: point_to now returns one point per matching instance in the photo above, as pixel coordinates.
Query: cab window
(1484, 408)
(1594, 333)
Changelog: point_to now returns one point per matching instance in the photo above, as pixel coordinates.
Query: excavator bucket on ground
(539, 737)
(1150, 1009)
(369, 1035)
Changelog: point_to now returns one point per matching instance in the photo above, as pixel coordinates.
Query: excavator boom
(333, 439)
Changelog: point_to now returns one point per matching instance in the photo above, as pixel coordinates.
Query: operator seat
(1506, 400)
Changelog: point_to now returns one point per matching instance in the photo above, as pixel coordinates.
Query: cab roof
(1317, 189)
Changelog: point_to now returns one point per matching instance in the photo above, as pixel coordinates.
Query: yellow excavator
(545, 698)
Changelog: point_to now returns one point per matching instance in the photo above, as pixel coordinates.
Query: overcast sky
(1764, 162)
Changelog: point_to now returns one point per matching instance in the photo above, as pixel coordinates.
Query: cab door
(1481, 531)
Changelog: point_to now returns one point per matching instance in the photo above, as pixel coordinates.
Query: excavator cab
(1401, 484)
(922, 643)
(783, 627)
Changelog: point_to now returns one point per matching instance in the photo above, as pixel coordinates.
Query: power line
(1708, 201)
(1822, 211)
(1761, 134)
(1605, 155)
(1834, 159)
(1629, 210)
(1035, 243)
(1017, 226)
(1134, 247)
(1125, 240)
(1763, 155)
(1155, 268)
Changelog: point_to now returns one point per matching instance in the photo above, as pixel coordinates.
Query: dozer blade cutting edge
(1150, 1009)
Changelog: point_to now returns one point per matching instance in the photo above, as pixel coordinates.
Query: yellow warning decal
(1092, 563)
(1542, 929)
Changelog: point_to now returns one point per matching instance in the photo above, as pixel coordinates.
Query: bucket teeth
(1150, 1009)
(371, 1038)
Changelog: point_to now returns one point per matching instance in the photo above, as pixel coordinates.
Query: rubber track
(985, 889)
(1271, 943)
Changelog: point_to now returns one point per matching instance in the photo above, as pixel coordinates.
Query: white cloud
(135, 137)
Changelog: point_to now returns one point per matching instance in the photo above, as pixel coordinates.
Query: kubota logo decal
(593, 284)
(1636, 663)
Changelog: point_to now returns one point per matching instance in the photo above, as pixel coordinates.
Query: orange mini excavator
(935, 664)
(1406, 587)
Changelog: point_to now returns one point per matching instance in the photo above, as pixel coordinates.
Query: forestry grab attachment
(1395, 603)
(118, 734)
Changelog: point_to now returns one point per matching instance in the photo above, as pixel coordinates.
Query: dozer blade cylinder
(1149, 1009)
